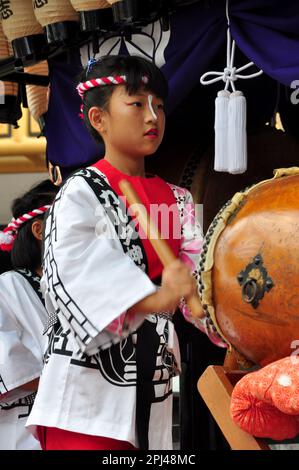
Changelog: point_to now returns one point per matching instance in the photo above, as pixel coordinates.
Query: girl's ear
(97, 119)
(37, 229)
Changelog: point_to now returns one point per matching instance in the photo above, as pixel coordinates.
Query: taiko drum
(250, 269)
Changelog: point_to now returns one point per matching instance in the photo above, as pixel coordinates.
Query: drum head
(250, 276)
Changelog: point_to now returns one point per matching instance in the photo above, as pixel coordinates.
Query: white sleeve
(190, 250)
(88, 279)
(21, 357)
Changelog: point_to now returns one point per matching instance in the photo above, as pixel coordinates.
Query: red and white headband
(7, 237)
(95, 82)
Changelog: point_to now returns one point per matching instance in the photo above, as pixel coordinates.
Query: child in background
(22, 316)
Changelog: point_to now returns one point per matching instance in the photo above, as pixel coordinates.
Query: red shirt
(154, 193)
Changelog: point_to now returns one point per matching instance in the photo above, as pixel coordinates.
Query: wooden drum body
(250, 269)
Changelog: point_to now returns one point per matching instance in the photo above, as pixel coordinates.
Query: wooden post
(215, 388)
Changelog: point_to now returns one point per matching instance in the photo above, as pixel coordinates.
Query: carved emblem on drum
(255, 281)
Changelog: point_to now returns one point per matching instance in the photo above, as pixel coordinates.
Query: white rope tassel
(237, 136)
(221, 130)
(233, 156)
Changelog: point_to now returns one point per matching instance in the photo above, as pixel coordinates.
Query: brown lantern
(38, 96)
(10, 106)
(59, 20)
(95, 15)
(22, 29)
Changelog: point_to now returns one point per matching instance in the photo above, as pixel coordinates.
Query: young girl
(22, 317)
(113, 350)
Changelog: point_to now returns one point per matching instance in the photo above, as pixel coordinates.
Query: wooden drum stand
(215, 387)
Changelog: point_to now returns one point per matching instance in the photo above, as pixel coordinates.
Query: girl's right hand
(177, 282)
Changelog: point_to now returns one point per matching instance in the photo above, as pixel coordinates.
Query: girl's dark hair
(134, 68)
(26, 251)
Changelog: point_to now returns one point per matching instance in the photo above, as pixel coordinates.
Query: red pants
(60, 439)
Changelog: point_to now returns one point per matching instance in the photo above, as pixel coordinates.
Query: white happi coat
(22, 320)
(89, 380)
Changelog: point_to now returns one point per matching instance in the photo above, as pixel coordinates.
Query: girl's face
(133, 125)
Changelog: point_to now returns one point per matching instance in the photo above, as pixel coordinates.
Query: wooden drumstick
(161, 247)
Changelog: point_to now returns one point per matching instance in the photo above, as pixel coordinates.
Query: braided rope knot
(229, 74)
(16, 223)
(102, 81)
(8, 235)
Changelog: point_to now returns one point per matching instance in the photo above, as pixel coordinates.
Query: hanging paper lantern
(10, 107)
(21, 28)
(94, 14)
(59, 20)
(38, 96)
(87, 5)
(112, 2)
